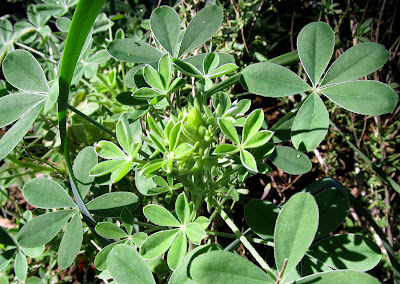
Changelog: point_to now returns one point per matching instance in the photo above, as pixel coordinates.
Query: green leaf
(146, 93)
(164, 71)
(174, 136)
(290, 160)
(46, 193)
(181, 274)
(203, 221)
(347, 251)
(121, 171)
(261, 217)
(176, 85)
(5, 238)
(42, 229)
(211, 61)
(158, 243)
(20, 266)
(83, 164)
(101, 258)
(13, 106)
(71, 242)
(259, 139)
(123, 135)
(339, 276)
(248, 160)
(127, 220)
(18, 130)
(160, 216)
(111, 204)
(23, 71)
(252, 124)
(183, 151)
(119, 264)
(310, 265)
(187, 68)
(226, 149)
(139, 238)
(6, 257)
(153, 79)
(222, 70)
(315, 44)
(109, 150)
(165, 25)
(106, 167)
(182, 208)
(364, 97)
(201, 28)
(177, 251)
(333, 204)
(229, 130)
(356, 62)
(195, 232)
(272, 80)
(311, 124)
(133, 51)
(282, 129)
(110, 231)
(33, 252)
(226, 267)
(143, 184)
(295, 230)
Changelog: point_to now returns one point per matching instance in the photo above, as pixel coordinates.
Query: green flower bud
(194, 119)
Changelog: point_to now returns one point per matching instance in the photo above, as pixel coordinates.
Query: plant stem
(243, 239)
(173, 109)
(35, 51)
(91, 120)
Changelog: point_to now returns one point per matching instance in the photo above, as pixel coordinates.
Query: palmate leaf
(177, 251)
(110, 231)
(364, 97)
(195, 232)
(20, 266)
(272, 80)
(229, 129)
(311, 124)
(158, 243)
(295, 230)
(347, 251)
(201, 28)
(46, 193)
(109, 150)
(226, 267)
(43, 228)
(315, 44)
(82, 166)
(261, 217)
(153, 78)
(181, 275)
(23, 71)
(182, 208)
(165, 25)
(210, 62)
(160, 216)
(252, 124)
(111, 204)
(290, 160)
(248, 160)
(133, 51)
(18, 130)
(119, 264)
(71, 242)
(356, 62)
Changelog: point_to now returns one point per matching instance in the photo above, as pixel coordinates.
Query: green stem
(173, 109)
(223, 85)
(91, 120)
(35, 51)
(233, 236)
(243, 239)
(35, 166)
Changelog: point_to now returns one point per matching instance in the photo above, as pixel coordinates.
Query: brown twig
(282, 270)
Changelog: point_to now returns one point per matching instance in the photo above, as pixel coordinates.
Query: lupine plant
(189, 148)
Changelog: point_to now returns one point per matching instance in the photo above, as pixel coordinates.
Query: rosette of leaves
(34, 95)
(177, 230)
(338, 83)
(118, 161)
